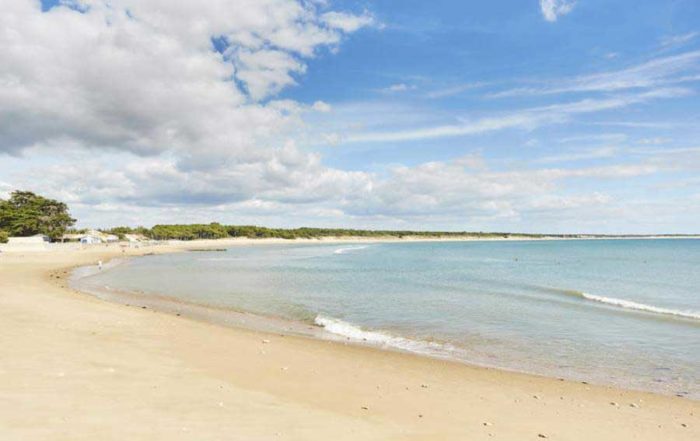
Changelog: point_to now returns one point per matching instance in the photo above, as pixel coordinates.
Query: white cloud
(554, 202)
(526, 119)
(553, 9)
(658, 72)
(347, 22)
(595, 137)
(657, 140)
(662, 125)
(580, 155)
(321, 106)
(465, 189)
(168, 101)
(454, 90)
(143, 76)
(517, 120)
(266, 72)
(398, 87)
(290, 188)
(678, 40)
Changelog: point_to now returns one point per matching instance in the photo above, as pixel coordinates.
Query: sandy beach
(73, 367)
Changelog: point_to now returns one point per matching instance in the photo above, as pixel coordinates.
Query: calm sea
(622, 312)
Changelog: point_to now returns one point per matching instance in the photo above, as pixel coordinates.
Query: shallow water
(622, 312)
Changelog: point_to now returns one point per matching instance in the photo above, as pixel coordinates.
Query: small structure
(89, 239)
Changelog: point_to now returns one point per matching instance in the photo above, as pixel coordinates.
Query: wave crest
(355, 333)
(628, 304)
(348, 249)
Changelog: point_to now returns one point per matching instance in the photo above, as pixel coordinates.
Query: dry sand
(73, 367)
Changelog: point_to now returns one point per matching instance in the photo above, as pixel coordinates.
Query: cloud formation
(657, 72)
(347, 22)
(553, 9)
(150, 76)
(526, 119)
(669, 41)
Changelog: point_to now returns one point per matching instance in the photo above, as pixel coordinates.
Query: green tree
(3, 236)
(27, 214)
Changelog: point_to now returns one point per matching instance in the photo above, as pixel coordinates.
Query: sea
(615, 312)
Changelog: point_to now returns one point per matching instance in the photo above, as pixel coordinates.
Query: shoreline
(177, 245)
(252, 321)
(258, 322)
(288, 387)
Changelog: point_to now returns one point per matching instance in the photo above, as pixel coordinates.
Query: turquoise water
(623, 312)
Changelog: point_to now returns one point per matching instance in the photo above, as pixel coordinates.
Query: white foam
(355, 333)
(640, 306)
(348, 249)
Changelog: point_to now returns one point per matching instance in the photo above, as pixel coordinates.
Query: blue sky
(451, 57)
(547, 116)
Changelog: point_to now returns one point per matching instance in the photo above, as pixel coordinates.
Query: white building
(90, 239)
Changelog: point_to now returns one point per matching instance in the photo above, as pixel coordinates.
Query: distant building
(89, 239)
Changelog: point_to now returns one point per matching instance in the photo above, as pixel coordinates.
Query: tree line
(28, 214)
(218, 231)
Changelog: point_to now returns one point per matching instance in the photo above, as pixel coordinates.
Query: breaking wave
(382, 339)
(628, 304)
